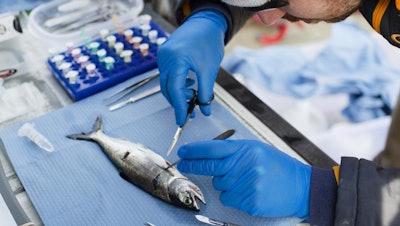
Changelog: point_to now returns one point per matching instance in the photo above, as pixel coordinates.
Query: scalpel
(213, 222)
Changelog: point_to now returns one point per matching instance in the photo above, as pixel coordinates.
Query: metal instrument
(178, 133)
(222, 136)
(136, 98)
(210, 221)
(121, 93)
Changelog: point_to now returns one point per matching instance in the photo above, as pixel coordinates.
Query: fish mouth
(187, 196)
(196, 195)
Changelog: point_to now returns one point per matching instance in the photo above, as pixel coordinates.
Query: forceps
(192, 104)
(119, 94)
(135, 98)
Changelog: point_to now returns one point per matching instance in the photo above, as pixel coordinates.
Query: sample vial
(119, 46)
(57, 60)
(101, 54)
(72, 76)
(109, 61)
(144, 49)
(111, 40)
(93, 47)
(28, 130)
(161, 40)
(135, 41)
(153, 35)
(91, 70)
(76, 53)
(126, 55)
(83, 61)
(65, 67)
(128, 34)
(145, 28)
(69, 46)
(145, 19)
(104, 33)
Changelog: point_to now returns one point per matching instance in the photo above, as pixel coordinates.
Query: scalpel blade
(136, 98)
(210, 221)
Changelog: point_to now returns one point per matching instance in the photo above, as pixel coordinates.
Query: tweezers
(119, 94)
(135, 98)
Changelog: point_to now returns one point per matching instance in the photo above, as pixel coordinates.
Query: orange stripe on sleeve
(398, 4)
(378, 13)
(186, 9)
(336, 173)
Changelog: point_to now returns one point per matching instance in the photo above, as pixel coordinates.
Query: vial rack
(104, 62)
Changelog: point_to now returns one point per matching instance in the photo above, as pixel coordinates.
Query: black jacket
(365, 194)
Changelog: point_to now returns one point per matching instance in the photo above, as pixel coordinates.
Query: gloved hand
(197, 45)
(254, 177)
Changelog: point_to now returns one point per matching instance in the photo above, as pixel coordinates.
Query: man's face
(309, 11)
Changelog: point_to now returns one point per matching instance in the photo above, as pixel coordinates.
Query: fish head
(185, 193)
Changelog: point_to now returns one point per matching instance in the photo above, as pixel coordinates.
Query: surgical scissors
(192, 104)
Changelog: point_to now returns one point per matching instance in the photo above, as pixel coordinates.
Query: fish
(145, 168)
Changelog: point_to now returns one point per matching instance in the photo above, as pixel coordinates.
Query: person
(253, 176)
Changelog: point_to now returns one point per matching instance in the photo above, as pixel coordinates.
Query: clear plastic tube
(28, 130)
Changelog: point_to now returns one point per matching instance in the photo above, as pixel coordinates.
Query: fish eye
(188, 200)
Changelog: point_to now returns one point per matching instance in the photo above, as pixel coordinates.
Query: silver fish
(145, 169)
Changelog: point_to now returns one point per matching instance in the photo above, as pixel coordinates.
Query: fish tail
(97, 126)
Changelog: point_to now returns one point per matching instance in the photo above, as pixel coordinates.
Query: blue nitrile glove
(197, 45)
(254, 177)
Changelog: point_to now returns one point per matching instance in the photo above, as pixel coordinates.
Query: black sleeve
(323, 190)
(383, 16)
(368, 194)
(236, 17)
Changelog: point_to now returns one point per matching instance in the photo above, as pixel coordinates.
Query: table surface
(255, 114)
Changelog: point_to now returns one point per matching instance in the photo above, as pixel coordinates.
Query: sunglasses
(272, 4)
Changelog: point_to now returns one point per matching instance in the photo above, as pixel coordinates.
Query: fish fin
(79, 136)
(124, 176)
(97, 126)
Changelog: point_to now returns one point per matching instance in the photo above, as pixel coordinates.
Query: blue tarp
(78, 185)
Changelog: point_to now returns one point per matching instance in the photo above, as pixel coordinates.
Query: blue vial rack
(87, 83)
